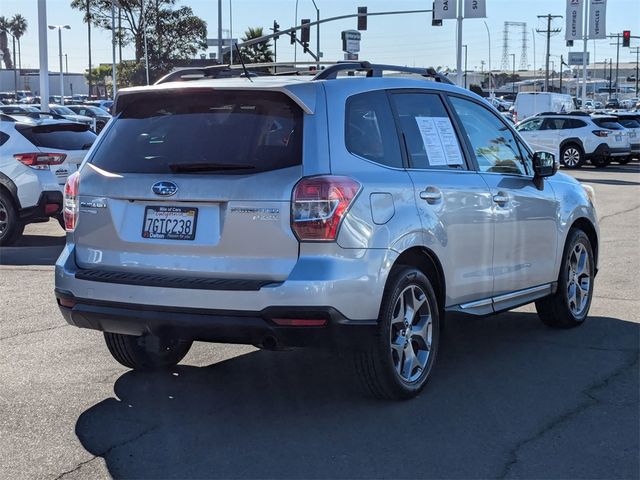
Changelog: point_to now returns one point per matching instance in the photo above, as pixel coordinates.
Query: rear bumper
(349, 280)
(252, 328)
(49, 205)
(604, 151)
(635, 148)
(619, 152)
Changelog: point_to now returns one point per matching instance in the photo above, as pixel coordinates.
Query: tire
(564, 309)
(572, 156)
(600, 162)
(625, 160)
(389, 372)
(147, 352)
(11, 228)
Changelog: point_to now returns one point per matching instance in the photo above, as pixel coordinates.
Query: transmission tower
(505, 45)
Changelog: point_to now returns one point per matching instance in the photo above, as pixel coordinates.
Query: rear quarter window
(62, 136)
(222, 132)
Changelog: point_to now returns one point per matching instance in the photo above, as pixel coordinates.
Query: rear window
(62, 136)
(220, 132)
(609, 123)
(629, 123)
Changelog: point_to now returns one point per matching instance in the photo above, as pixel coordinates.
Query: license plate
(618, 138)
(632, 134)
(169, 223)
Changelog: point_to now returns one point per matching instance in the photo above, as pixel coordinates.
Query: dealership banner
(445, 9)
(573, 29)
(597, 19)
(475, 9)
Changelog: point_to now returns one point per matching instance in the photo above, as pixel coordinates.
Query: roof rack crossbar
(375, 70)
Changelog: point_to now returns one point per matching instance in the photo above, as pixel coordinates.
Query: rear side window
(574, 123)
(222, 132)
(3, 138)
(370, 131)
(428, 133)
(608, 123)
(63, 136)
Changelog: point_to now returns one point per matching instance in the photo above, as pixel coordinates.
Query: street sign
(575, 58)
(226, 42)
(350, 56)
(351, 41)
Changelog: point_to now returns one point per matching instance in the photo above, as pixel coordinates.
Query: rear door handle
(501, 198)
(431, 195)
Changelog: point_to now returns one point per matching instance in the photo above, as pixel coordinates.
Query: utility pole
(637, 49)
(44, 60)
(89, 41)
(617, 44)
(548, 31)
(113, 51)
(459, 44)
(610, 73)
(465, 65)
(561, 70)
(220, 31)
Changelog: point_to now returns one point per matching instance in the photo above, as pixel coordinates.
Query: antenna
(244, 67)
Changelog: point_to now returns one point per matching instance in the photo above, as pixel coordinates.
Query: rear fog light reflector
(300, 322)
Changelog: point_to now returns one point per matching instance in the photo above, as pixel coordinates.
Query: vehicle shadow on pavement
(33, 250)
(509, 397)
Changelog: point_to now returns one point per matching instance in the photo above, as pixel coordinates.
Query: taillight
(601, 133)
(319, 204)
(71, 202)
(40, 161)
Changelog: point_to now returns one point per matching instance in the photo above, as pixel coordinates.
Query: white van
(529, 104)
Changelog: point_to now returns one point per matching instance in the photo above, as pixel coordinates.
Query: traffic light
(569, 43)
(362, 18)
(276, 29)
(305, 31)
(293, 37)
(626, 38)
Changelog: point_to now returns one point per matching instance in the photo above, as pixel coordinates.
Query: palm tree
(259, 52)
(5, 28)
(18, 27)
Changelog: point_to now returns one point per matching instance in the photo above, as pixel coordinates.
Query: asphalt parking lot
(510, 397)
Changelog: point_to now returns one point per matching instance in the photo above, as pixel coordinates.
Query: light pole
(113, 49)
(59, 27)
(66, 64)
(143, 14)
(513, 75)
(490, 78)
(317, 34)
(465, 65)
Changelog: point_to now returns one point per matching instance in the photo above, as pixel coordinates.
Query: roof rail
(575, 113)
(213, 71)
(375, 70)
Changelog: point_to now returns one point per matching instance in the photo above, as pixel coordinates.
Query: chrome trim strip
(521, 293)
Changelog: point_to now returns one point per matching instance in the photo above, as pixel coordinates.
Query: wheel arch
(428, 263)
(589, 229)
(7, 186)
(571, 140)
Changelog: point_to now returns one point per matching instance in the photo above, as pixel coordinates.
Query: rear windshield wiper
(207, 167)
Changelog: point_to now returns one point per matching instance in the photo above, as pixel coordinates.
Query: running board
(507, 301)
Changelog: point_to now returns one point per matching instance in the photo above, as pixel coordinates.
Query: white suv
(36, 157)
(577, 137)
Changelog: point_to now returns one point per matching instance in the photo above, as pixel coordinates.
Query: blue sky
(402, 39)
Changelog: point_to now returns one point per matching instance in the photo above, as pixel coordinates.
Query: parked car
(103, 104)
(30, 192)
(612, 103)
(17, 109)
(576, 137)
(69, 114)
(528, 104)
(631, 122)
(341, 211)
(100, 116)
(57, 136)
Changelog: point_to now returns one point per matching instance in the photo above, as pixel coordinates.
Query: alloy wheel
(4, 219)
(411, 334)
(578, 279)
(571, 157)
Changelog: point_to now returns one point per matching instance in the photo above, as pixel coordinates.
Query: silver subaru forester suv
(345, 211)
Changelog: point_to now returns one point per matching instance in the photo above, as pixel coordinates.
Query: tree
(18, 27)
(258, 52)
(173, 33)
(5, 29)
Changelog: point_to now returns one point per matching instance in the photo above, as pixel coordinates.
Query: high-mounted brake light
(601, 133)
(40, 161)
(71, 202)
(319, 204)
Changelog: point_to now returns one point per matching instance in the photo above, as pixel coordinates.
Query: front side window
(370, 131)
(428, 133)
(493, 144)
(530, 125)
(554, 124)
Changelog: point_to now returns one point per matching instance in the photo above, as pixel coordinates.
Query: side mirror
(544, 164)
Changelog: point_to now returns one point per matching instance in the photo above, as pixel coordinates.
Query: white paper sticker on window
(440, 141)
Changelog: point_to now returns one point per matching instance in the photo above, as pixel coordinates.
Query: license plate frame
(618, 138)
(171, 214)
